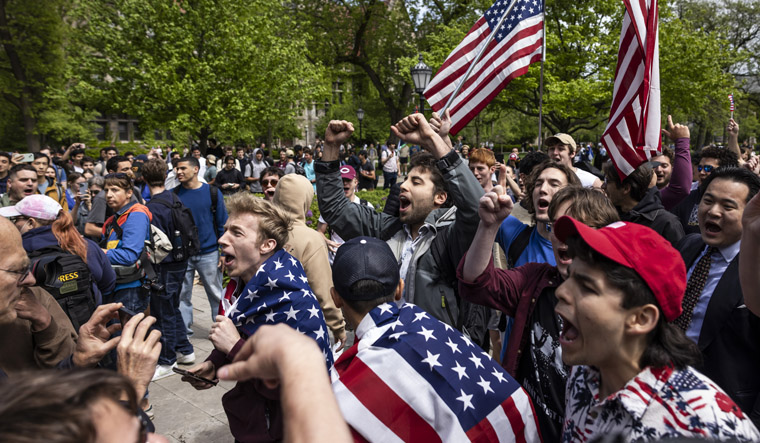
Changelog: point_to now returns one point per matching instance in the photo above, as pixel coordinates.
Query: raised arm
(749, 255)
(494, 207)
(680, 179)
(345, 218)
(442, 126)
(732, 129)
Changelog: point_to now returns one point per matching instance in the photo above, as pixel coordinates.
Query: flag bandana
(413, 378)
(516, 45)
(278, 293)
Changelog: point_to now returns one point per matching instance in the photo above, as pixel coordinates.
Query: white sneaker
(163, 371)
(186, 359)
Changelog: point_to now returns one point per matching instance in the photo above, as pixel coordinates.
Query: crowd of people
(543, 297)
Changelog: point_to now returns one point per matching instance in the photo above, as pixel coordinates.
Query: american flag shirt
(279, 292)
(411, 377)
(658, 403)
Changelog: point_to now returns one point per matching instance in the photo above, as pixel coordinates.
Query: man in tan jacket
(294, 195)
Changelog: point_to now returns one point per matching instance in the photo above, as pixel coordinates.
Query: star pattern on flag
(432, 360)
(275, 294)
(470, 381)
(465, 399)
(523, 10)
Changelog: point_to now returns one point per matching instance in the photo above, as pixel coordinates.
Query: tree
(229, 68)
(35, 75)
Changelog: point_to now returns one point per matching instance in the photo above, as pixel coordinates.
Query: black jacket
(651, 213)
(729, 336)
(686, 211)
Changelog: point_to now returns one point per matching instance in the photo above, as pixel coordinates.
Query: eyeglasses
(706, 168)
(268, 182)
(22, 274)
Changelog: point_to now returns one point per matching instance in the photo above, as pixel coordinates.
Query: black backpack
(184, 238)
(299, 169)
(72, 288)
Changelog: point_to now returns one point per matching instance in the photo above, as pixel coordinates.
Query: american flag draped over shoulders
(632, 135)
(516, 45)
(413, 378)
(278, 293)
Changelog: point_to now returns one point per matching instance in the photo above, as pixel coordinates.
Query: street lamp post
(421, 74)
(360, 116)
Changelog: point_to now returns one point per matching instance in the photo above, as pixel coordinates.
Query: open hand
(95, 340)
(675, 131)
(138, 351)
(494, 207)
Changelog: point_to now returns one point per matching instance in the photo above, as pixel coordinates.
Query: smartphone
(83, 188)
(193, 376)
(27, 158)
(125, 315)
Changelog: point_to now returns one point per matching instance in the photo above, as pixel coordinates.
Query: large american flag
(632, 136)
(279, 292)
(515, 46)
(413, 378)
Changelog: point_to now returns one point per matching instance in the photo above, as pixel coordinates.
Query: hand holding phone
(125, 314)
(187, 373)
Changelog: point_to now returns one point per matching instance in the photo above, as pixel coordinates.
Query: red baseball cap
(347, 172)
(641, 249)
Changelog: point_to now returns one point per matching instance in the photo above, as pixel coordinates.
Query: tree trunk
(24, 102)
(203, 136)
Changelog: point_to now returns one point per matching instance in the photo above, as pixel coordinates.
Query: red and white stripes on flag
(632, 135)
(515, 46)
(731, 100)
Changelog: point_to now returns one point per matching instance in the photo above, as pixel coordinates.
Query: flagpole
(477, 58)
(541, 84)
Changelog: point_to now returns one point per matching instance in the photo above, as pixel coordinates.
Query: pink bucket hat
(35, 206)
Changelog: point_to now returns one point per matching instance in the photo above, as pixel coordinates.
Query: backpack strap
(214, 202)
(518, 246)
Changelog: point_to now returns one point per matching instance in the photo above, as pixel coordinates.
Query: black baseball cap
(364, 258)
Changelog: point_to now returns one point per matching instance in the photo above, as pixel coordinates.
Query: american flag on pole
(516, 45)
(413, 378)
(632, 135)
(731, 100)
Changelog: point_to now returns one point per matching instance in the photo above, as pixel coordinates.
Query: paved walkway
(183, 414)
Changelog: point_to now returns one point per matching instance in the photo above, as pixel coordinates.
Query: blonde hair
(273, 222)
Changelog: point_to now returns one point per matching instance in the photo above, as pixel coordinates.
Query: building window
(123, 131)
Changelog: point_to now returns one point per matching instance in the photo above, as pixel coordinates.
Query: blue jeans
(132, 299)
(389, 179)
(211, 277)
(165, 307)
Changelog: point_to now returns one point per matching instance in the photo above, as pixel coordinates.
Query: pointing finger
(670, 121)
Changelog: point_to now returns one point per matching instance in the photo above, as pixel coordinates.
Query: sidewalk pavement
(183, 414)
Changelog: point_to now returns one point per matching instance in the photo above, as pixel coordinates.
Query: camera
(153, 287)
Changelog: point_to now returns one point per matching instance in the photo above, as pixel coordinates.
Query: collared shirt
(718, 265)
(410, 245)
(658, 403)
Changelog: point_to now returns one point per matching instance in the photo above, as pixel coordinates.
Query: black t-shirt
(364, 182)
(541, 371)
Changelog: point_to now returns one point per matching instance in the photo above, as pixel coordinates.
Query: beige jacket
(294, 195)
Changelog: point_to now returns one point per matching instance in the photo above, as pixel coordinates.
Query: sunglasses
(268, 182)
(23, 274)
(706, 168)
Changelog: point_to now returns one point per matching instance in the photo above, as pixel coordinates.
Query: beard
(419, 212)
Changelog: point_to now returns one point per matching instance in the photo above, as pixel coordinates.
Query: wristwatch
(448, 161)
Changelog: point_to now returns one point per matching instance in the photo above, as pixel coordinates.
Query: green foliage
(229, 68)
(35, 79)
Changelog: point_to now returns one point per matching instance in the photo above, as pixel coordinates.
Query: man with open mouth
(632, 371)
(532, 355)
(428, 238)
